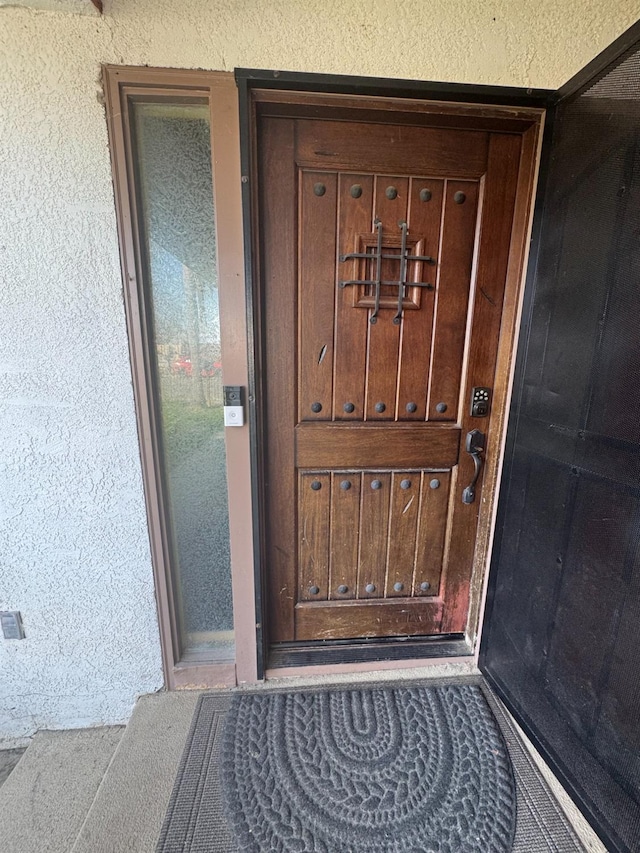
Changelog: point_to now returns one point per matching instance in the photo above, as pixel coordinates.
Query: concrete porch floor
(105, 790)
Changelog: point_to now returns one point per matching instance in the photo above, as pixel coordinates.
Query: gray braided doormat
(387, 770)
(412, 768)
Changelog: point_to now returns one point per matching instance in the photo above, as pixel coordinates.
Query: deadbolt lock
(480, 402)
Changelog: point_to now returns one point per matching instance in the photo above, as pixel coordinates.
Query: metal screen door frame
(490, 657)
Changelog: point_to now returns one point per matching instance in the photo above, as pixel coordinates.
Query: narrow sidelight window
(171, 144)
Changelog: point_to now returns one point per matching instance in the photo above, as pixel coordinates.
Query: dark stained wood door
(383, 257)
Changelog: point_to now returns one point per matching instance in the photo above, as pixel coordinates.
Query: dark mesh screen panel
(562, 642)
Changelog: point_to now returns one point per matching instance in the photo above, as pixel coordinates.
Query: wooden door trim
(505, 368)
(499, 119)
(390, 110)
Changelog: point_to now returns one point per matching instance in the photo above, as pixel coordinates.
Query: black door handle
(474, 445)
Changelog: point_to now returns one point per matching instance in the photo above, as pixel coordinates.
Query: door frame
(247, 562)
(510, 110)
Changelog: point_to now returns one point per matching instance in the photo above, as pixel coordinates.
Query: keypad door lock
(480, 402)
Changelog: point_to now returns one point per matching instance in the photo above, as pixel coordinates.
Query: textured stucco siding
(74, 554)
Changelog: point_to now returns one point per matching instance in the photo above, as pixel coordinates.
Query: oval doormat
(399, 770)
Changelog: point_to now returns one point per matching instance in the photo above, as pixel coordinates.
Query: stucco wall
(74, 554)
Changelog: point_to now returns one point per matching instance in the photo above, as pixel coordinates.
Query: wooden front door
(384, 250)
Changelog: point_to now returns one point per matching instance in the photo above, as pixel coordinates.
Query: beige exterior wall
(538, 43)
(74, 554)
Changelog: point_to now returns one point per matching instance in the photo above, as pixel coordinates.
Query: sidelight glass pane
(173, 161)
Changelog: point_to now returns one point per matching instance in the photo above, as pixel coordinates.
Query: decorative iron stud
(370, 587)
(425, 195)
(345, 485)
(441, 408)
(343, 588)
(411, 407)
(356, 191)
(314, 590)
(425, 585)
(391, 193)
(319, 189)
(348, 408)
(316, 485)
(434, 484)
(459, 198)
(398, 587)
(380, 407)
(376, 484)
(316, 407)
(405, 484)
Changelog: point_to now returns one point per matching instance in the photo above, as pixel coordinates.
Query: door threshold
(390, 651)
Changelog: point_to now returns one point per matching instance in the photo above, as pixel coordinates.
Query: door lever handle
(474, 445)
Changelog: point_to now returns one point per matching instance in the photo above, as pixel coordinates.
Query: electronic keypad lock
(233, 405)
(480, 401)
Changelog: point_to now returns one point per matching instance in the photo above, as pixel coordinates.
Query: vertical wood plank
(432, 523)
(278, 231)
(314, 501)
(345, 517)
(374, 528)
(405, 501)
(354, 218)
(425, 214)
(452, 300)
(384, 336)
(316, 292)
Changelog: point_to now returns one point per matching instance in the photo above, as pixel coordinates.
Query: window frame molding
(122, 85)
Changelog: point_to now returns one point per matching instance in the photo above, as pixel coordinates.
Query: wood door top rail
(387, 149)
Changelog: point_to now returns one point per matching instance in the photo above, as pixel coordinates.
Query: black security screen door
(562, 639)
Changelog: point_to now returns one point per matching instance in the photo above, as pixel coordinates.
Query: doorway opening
(392, 239)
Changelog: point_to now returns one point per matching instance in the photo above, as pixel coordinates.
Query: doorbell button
(233, 396)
